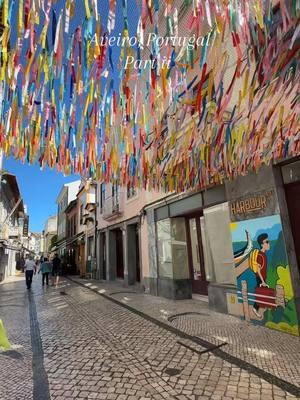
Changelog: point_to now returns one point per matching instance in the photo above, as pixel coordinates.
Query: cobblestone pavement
(275, 352)
(73, 343)
(16, 364)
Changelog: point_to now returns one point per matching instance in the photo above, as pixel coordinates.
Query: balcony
(13, 231)
(4, 232)
(113, 206)
(10, 232)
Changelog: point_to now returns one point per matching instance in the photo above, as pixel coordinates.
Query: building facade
(35, 243)
(72, 241)
(86, 222)
(50, 232)
(67, 194)
(235, 244)
(203, 244)
(12, 218)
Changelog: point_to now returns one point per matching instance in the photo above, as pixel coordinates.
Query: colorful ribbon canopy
(204, 90)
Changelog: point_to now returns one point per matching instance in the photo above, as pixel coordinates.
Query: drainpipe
(1, 165)
(94, 184)
(96, 225)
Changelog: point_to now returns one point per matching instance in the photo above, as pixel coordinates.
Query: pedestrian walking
(45, 269)
(22, 264)
(56, 267)
(30, 269)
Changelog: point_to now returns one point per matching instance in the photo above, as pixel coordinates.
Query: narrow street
(74, 343)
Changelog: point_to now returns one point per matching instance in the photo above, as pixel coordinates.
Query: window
(172, 250)
(115, 197)
(218, 247)
(75, 225)
(81, 214)
(102, 196)
(131, 191)
(72, 225)
(90, 246)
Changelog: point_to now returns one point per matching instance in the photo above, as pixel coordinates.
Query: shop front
(118, 249)
(267, 278)
(184, 259)
(238, 244)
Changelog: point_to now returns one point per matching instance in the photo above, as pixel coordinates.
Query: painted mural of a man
(259, 265)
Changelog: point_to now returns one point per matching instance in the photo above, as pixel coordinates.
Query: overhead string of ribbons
(205, 90)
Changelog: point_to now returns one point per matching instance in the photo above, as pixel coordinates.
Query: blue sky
(39, 190)
(270, 225)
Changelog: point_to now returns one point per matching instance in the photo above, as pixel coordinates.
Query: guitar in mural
(264, 286)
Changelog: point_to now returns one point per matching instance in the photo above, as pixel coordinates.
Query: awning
(75, 239)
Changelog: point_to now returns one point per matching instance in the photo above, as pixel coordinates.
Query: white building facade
(67, 194)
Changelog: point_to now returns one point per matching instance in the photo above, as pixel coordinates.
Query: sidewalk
(20, 276)
(271, 351)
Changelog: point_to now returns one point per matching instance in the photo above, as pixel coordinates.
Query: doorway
(292, 192)
(133, 254)
(291, 179)
(119, 254)
(195, 254)
(137, 256)
(102, 244)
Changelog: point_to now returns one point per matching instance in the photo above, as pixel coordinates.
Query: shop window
(208, 262)
(179, 249)
(172, 250)
(218, 245)
(164, 248)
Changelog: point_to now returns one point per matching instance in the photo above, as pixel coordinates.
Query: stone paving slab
(90, 347)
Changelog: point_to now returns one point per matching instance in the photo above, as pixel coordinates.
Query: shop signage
(259, 204)
(25, 226)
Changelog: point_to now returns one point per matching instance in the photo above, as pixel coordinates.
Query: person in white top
(30, 269)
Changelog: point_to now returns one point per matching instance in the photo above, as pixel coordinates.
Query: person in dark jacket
(56, 269)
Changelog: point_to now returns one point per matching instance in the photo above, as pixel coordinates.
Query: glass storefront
(172, 251)
(218, 234)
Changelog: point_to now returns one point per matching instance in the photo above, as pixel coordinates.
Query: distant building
(86, 203)
(67, 194)
(72, 241)
(11, 225)
(35, 243)
(49, 232)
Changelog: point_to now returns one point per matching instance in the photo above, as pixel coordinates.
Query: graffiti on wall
(264, 287)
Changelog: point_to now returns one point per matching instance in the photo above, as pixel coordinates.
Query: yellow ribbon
(87, 9)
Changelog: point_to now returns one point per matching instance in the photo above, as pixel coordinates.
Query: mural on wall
(265, 292)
